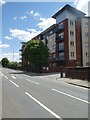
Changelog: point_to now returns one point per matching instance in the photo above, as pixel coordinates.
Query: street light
(13, 52)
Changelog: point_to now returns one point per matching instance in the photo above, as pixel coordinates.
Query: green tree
(36, 53)
(5, 62)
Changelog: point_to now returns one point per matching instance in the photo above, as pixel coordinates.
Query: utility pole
(13, 52)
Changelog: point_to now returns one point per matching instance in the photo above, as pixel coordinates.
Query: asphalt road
(33, 96)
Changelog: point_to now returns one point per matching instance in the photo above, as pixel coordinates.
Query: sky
(21, 21)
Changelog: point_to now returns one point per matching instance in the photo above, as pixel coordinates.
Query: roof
(48, 29)
(88, 17)
(43, 32)
(71, 9)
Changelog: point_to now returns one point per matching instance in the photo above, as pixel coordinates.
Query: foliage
(36, 53)
(5, 62)
(14, 65)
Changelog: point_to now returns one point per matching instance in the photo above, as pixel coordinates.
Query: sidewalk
(77, 82)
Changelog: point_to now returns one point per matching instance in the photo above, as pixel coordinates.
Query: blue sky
(23, 20)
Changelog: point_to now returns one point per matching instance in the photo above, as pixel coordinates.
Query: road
(34, 96)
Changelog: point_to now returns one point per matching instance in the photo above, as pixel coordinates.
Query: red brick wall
(78, 73)
(78, 42)
(72, 63)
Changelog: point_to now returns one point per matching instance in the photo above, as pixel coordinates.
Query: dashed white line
(43, 106)
(13, 77)
(6, 77)
(70, 96)
(32, 81)
(14, 83)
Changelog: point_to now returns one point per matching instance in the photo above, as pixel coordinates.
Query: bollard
(61, 74)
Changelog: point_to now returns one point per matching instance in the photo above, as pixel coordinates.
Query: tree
(5, 62)
(36, 53)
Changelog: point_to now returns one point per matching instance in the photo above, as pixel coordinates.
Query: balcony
(62, 58)
(60, 28)
(59, 38)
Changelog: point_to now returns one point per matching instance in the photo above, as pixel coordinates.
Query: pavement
(76, 82)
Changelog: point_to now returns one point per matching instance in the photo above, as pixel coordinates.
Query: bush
(14, 65)
(5, 62)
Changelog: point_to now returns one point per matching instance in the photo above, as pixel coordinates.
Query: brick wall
(78, 73)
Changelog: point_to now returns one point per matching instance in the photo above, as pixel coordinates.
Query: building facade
(85, 41)
(67, 40)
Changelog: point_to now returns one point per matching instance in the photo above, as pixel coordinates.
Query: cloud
(4, 45)
(10, 56)
(45, 23)
(15, 18)
(22, 35)
(34, 32)
(34, 14)
(2, 2)
(82, 5)
(24, 17)
(8, 37)
(31, 12)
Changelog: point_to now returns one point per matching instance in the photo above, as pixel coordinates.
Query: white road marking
(70, 96)
(14, 83)
(32, 81)
(6, 77)
(47, 109)
(13, 77)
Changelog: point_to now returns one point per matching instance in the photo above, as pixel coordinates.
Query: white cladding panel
(85, 41)
(64, 15)
(72, 38)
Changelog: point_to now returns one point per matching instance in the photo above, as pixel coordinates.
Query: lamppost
(13, 52)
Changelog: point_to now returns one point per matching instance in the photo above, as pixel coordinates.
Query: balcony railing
(60, 28)
(62, 58)
(59, 38)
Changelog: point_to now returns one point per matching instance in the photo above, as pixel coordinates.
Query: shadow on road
(33, 74)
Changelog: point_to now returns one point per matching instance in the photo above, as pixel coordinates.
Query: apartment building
(67, 40)
(85, 41)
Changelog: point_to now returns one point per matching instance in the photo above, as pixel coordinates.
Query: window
(51, 32)
(86, 54)
(71, 23)
(86, 44)
(47, 37)
(61, 26)
(61, 46)
(61, 35)
(54, 46)
(72, 54)
(72, 43)
(87, 63)
(44, 37)
(61, 54)
(86, 34)
(53, 55)
(71, 33)
(86, 24)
